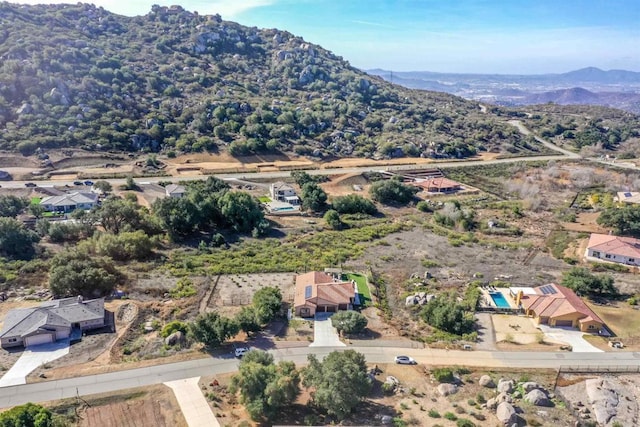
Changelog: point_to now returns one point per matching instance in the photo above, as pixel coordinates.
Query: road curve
(158, 374)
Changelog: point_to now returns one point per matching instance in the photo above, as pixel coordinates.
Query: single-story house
(51, 321)
(438, 185)
(609, 248)
(557, 305)
(283, 192)
(318, 292)
(174, 190)
(69, 202)
(628, 197)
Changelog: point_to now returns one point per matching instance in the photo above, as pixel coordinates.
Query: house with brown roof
(318, 292)
(609, 248)
(438, 185)
(557, 305)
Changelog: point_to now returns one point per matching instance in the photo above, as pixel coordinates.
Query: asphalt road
(121, 380)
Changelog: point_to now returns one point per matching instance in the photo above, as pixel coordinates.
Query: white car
(405, 360)
(240, 351)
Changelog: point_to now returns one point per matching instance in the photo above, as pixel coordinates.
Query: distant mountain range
(592, 86)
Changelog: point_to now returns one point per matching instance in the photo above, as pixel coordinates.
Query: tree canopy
(15, 240)
(76, 272)
(12, 206)
(212, 329)
(265, 387)
(339, 382)
(27, 415)
(624, 220)
(267, 302)
(313, 197)
(353, 204)
(583, 282)
(449, 315)
(349, 322)
(392, 192)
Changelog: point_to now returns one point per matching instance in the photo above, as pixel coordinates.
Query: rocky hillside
(175, 81)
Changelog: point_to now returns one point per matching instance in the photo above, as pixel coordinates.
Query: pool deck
(487, 301)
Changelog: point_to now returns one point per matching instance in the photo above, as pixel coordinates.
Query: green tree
(349, 322)
(179, 217)
(339, 383)
(301, 178)
(27, 415)
(332, 218)
(212, 330)
(242, 212)
(354, 204)
(36, 210)
(76, 272)
(12, 206)
(582, 282)
(248, 320)
(130, 184)
(124, 246)
(116, 215)
(392, 192)
(265, 387)
(447, 314)
(624, 220)
(267, 302)
(15, 240)
(313, 197)
(104, 186)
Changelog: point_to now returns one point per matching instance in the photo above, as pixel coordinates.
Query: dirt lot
(520, 333)
(148, 406)
(416, 401)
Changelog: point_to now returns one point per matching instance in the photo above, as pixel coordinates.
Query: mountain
(593, 86)
(174, 81)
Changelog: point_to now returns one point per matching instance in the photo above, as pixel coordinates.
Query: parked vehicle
(88, 182)
(405, 360)
(77, 183)
(30, 184)
(240, 351)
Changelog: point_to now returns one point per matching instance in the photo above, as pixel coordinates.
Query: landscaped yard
(621, 318)
(363, 287)
(264, 199)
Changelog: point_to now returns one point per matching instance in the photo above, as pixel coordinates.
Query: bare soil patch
(236, 290)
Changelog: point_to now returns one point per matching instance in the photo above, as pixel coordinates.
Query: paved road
(114, 381)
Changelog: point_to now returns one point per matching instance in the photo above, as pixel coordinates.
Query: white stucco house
(70, 202)
(51, 321)
(609, 248)
(283, 192)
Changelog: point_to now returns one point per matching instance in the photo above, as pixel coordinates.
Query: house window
(591, 327)
(632, 260)
(596, 254)
(607, 256)
(13, 339)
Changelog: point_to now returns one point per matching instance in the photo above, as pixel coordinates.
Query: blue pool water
(500, 300)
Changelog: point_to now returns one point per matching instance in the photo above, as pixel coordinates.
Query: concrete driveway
(32, 358)
(194, 406)
(571, 337)
(324, 334)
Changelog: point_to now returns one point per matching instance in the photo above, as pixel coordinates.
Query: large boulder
(447, 389)
(495, 401)
(604, 399)
(506, 414)
(486, 381)
(505, 386)
(537, 397)
(175, 338)
(530, 385)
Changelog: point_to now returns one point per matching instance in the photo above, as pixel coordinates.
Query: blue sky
(470, 36)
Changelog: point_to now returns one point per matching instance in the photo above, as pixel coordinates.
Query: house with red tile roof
(438, 185)
(609, 248)
(556, 305)
(318, 292)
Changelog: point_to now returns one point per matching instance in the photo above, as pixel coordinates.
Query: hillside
(174, 81)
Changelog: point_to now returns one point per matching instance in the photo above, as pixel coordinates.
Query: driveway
(194, 406)
(571, 337)
(32, 358)
(324, 334)
(486, 332)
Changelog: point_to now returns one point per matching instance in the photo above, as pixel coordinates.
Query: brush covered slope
(173, 80)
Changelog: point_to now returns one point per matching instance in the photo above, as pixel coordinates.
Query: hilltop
(174, 81)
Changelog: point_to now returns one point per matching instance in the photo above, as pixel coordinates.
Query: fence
(600, 369)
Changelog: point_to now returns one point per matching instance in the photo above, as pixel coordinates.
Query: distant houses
(318, 292)
(438, 185)
(175, 191)
(609, 248)
(283, 192)
(68, 203)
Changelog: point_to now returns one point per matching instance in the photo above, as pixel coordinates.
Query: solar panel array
(548, 290)
(627, 194)
(308, 291)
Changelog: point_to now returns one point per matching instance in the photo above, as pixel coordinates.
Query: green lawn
(36, 200)
(363, 287)
(264, 199)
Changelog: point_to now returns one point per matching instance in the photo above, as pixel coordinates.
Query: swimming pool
(499, 300)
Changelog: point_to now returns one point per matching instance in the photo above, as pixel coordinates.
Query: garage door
(564, 323)
(38, 339)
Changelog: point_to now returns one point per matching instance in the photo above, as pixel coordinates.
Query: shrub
(183, 289)
(463, 422)
(450, 416)
(433, 413)
(354, 204)
(443, 375)
(172, 327)
(423, 206)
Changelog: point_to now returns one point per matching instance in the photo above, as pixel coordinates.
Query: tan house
(318, 292)
(628, 197)
(609, 248)
(438, 185)
(556, 305)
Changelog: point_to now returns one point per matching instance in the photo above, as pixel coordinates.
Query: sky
(464, 36)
